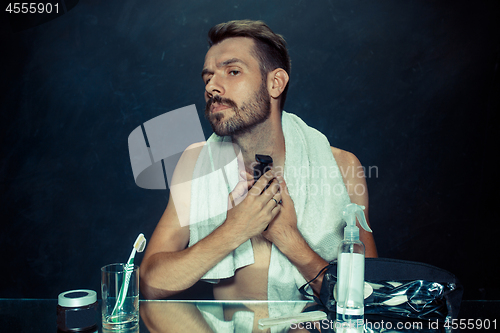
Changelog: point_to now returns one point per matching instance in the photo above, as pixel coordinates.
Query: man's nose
(214, 87)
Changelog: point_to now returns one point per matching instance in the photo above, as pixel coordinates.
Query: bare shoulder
(195, 148)
(185, 166)
(180, 189)
(345, 159)
(353, 175)
(350, 168)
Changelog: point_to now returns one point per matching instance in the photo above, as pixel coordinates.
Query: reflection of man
(202, 317)
(267, 236)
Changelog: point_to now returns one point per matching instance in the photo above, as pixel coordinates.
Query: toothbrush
(139, 246)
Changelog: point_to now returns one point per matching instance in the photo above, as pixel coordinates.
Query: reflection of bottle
(351, 269)
(343, 329)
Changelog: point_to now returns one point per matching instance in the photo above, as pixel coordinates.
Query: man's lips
(218, 107)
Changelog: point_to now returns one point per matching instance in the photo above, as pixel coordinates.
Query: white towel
(315, 185)
(241, 322)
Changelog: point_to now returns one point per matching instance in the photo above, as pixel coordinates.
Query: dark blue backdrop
(411, 87)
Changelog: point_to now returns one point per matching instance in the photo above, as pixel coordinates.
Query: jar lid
(76, 298)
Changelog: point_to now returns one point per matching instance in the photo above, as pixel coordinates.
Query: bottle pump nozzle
(351, 211)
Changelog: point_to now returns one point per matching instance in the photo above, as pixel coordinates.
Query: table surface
(39, 315)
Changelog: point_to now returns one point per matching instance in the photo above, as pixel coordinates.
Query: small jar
(77, 311)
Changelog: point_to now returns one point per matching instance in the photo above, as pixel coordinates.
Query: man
(246, 75)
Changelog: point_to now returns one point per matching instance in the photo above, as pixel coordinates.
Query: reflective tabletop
(39, 315)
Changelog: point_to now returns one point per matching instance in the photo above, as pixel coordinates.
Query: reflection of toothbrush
(139, 246)
(292, 319)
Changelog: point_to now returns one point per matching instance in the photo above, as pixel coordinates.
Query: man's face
(235, 92)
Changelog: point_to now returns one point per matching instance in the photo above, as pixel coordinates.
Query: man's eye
(206, 82)
(234, 72)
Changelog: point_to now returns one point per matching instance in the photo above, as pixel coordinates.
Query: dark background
(411, 87)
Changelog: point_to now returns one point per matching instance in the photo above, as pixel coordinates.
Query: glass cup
(119, 311)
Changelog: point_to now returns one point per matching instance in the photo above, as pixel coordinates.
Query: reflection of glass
(127, 317)
(213, 316)
(340, 328)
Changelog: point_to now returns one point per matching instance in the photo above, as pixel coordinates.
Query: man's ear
(277, 81)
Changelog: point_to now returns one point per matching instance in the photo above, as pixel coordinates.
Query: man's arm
(283, 231)
(169, 266)
(354, 179)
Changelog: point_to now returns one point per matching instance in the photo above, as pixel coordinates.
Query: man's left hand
(283, 228)
(285, 235)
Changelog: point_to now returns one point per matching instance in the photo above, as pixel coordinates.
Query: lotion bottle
(351, 269)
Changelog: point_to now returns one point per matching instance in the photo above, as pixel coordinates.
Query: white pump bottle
(351, 269)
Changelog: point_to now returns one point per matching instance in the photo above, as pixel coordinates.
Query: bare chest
(249, 282)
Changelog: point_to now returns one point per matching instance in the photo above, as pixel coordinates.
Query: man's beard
(244, 119)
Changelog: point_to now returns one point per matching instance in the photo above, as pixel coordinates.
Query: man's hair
(270, 48)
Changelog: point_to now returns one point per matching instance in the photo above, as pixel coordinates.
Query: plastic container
(351, 269)
(77, 311)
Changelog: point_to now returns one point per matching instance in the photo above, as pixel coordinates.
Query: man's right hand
(250, 209)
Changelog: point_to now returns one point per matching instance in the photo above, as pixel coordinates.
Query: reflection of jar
(77, 311)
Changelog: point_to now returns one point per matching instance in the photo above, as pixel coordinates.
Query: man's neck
(266, 138)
